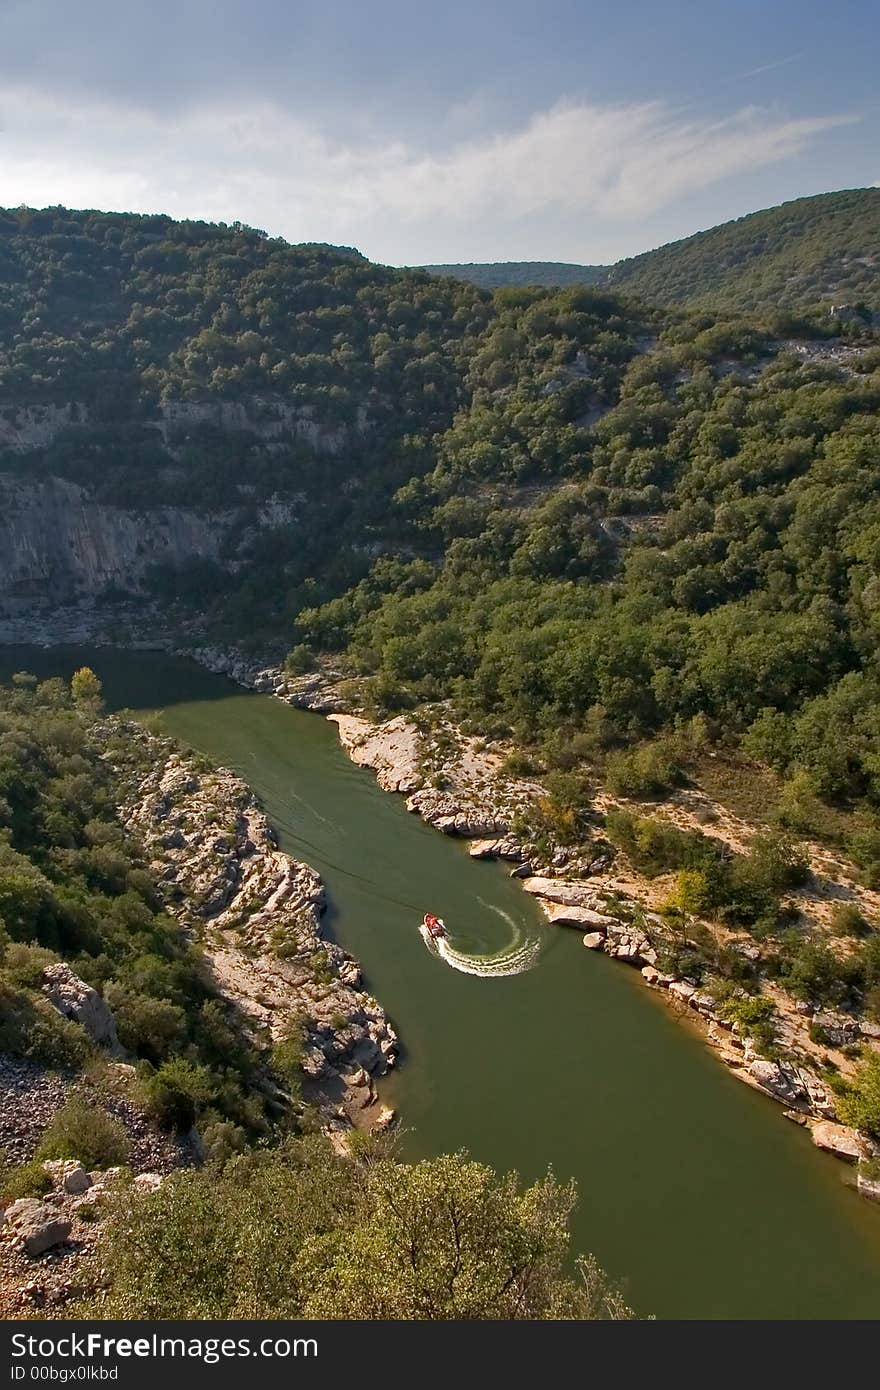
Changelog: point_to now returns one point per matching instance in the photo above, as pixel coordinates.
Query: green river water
(692, 1187)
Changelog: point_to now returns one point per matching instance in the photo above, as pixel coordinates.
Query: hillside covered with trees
(823, 248)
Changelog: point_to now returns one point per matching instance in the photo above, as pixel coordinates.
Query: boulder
(628, 943)
(650, 975)
(68, 1175)
(839, 1140)
(682, 989)
(38, 1226)
(594, 940)
(569, 892)
(779, 1079)
(484, 849)
(76, 1000)
(703, 1003)
(576, 917)
(839, 1029)
(148, 1182)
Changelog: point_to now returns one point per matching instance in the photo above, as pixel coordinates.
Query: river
(693, 1188)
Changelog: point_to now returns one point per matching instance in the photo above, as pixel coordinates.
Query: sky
(567, 130)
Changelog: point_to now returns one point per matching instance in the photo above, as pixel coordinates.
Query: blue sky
(459, 131)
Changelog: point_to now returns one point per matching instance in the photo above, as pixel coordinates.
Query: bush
(84, 1131)
(755, 1015)
(847, 920)
(177, 1092)
(813, 973)
(300, 660)
(656, 846)
(27, 1180)
(148, 1026)
(30, 1027)
(23, 965)
(858, 1102)
(287, 1058)
(647, 771)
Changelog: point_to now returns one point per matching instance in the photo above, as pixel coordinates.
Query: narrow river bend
(692, 1187)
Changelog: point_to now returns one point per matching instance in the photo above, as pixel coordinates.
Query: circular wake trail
(513, 959)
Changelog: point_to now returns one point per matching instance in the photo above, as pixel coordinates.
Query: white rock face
(562, 916)
(568, 892)
(76, 1000)
(34, 426)
(57, 543)
(394, 749)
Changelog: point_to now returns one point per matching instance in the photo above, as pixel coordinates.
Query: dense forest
(643, 530)
(820, 248)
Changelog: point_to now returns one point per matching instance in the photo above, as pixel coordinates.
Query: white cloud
(274, 169)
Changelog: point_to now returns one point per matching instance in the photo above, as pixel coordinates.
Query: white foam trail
(513, 959)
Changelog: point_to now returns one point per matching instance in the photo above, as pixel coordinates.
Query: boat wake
(518, 956)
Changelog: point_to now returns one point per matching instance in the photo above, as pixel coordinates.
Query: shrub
(84, 1131)
(811, 972)
(754, 1015)
(30, 1027)
(300, 660)
(26, 1180)
(647, 771)
(656, 846)
(23, 964)
(175, 1094)
(287, 1058)
(148, 1026)
(858, 1102)
(847, 920)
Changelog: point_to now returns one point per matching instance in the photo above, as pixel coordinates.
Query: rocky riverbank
(256, 913)
(461, 786)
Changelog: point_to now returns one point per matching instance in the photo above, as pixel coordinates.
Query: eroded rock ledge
(256, 913)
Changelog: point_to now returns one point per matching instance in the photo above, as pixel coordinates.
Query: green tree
(86, 689)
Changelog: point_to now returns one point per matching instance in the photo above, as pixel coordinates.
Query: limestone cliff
(57, 543)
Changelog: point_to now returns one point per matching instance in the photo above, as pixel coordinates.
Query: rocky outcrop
(562, 891)
(24, 427)
(45, 1242)
(37, 1225)
(35, 426)
(257, 914)
(394, 750)
(77, 1001)
(840, 1140)
(56, 542)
